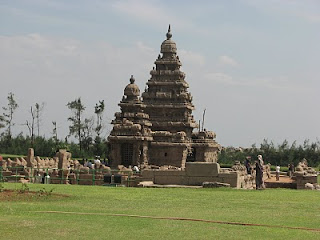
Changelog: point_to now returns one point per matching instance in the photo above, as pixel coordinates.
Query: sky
(252, 64)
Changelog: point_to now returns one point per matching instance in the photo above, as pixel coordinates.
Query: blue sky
(253, 64)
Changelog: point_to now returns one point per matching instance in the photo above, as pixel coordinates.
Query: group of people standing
(259, 170)
(259, 167)
(96, 162)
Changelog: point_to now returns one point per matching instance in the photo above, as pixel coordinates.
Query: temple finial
(132, 79)
(169, 34)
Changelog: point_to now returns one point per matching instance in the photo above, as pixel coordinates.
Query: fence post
(32, 174)
(77, 176)
(46, 181)
(1, 175)
(16, 173)
(93, 176)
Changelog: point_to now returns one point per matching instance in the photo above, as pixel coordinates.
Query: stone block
(85, 176)
(169, 173)
(309, 186)
(233, 178)
(168, 180)
(148, 174)
(195, 169)
(145, 184)
(214, 184)
(197, 181)
(6, 173)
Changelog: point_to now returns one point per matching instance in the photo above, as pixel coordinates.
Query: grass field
(276, 207)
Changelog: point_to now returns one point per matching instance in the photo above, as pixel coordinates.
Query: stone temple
(157, 127)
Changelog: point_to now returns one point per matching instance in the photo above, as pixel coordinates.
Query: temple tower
(169, 105)
(131, 133)
(168, 101)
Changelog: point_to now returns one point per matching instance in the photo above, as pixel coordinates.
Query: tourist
(259, 173)
(89, 164)
(277, 172)
(268, 169)
(247, 163)
(86, 163)
(290, 169)
(136, 169)
(97, 160)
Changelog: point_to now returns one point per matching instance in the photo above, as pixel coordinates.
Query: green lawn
(279, 207)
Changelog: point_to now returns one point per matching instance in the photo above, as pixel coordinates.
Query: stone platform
(284, 182)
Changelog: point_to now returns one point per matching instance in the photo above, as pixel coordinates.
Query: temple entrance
(126, 154)
(192, 155)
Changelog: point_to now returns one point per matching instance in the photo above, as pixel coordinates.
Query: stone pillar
(63, 159)
(184, 157)
(30, 158)
(136, 154)
(115, 155)
(144, 158)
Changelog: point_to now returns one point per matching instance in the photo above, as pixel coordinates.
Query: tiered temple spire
(168, 101)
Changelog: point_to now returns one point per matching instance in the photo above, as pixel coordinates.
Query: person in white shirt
(136, 169)
(277, 172)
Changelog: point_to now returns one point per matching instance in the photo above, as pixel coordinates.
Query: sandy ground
(283, 179)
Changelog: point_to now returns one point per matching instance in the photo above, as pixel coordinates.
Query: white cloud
(143, 10)
(150, 12)
(281, 83)
(220, 78)
(308, 10)
(227, 60)
(189, 57)
(146, 49)
(38, 68)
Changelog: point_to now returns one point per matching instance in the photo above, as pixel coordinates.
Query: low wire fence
(105, 177)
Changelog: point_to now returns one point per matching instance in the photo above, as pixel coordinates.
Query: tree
(55, 133)
(7, 116)
(30, 125)
(1, 122)
(98, 110)
(87, 131)
(76, 126)
(38, 112)
(98, 145)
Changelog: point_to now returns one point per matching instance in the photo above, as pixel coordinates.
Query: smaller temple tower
(131, 133)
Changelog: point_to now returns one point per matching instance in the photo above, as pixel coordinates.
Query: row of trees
(281, 154)
(87, 131)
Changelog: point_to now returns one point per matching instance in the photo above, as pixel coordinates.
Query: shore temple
(157, 127)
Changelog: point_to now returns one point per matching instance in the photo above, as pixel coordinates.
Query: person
(259, 173)
(97, 160)
(86, 163)
(89, 164)
(248, 164)
(291, 170)
(277, 173)
(136, 169)
(268, 169)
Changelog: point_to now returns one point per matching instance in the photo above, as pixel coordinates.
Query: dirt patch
(282, 179)
(17, 195)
